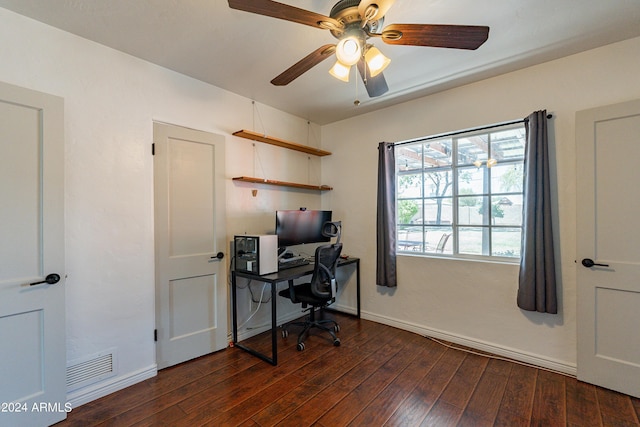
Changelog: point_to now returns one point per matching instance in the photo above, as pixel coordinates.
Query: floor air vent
(91, 369)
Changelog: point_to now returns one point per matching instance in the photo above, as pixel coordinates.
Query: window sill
(494, 260)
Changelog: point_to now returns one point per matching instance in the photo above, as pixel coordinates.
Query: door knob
(588, 262)
(218, 256)
(51, 279)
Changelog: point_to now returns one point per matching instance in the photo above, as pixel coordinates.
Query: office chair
(321, 291)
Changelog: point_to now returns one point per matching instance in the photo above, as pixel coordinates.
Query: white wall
(111, 100)
(465, 301)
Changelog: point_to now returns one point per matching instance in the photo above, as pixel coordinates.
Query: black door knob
(51, 279)
(588, 262)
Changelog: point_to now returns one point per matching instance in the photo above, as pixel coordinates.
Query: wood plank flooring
(378, 376)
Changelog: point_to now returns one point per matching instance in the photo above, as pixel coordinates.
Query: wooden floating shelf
(282, 183)
(280, 143)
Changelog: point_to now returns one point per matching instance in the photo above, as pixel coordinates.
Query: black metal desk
(273, 279)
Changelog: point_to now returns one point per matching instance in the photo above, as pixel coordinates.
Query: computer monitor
(296, 227)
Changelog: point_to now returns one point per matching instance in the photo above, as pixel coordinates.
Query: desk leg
(274, 325)
(274, 328)
(234, 309)
(358, 286)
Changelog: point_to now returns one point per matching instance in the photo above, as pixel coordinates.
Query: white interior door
(32, 329)
(608, 227)
(191, 279)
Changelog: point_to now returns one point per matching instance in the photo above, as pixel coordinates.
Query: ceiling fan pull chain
(356, 102)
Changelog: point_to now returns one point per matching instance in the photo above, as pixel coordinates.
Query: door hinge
(153, 152)
(155, 335)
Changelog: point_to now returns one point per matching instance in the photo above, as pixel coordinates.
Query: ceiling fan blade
(450, 36)
(304, 65)
(286, 12)
(377, 10)
(375, 86)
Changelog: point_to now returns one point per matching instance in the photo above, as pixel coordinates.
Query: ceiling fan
(353, 23)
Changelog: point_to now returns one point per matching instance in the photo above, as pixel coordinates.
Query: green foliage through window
(406, 210)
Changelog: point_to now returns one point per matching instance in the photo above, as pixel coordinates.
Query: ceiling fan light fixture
(376, 61)
(340, 71)
(348, 50)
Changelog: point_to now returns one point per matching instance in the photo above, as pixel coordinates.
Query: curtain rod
(443, 135)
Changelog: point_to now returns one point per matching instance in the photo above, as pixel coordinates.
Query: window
(462, 194)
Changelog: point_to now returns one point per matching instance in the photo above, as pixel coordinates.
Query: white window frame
(452, 247)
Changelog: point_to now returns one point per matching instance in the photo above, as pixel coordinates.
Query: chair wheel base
(307, 325)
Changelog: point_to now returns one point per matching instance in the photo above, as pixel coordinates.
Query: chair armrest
(292, 292)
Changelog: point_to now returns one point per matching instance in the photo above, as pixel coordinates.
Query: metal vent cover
(91, 369)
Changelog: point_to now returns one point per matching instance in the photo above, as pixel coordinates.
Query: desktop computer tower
(256, 254)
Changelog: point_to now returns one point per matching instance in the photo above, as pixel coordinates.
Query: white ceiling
(242, 52)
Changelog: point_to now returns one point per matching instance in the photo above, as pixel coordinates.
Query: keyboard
(286, 263)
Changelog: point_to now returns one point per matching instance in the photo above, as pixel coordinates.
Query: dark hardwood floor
(378, 376)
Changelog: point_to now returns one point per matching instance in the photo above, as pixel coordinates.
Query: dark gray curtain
(386, 216)
(537, 279)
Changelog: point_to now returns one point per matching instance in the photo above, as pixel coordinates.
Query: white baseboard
(344, 308)
(520, 356)
(95, 391)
